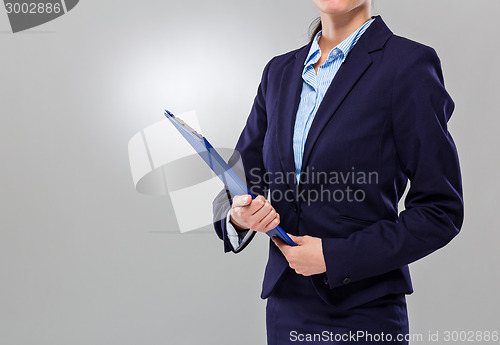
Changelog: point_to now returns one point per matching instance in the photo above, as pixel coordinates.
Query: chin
(337, 6)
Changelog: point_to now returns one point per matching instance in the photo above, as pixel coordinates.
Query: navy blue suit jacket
(386, 111)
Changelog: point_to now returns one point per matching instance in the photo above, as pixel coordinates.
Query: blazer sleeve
(247, 162)
(433, 215)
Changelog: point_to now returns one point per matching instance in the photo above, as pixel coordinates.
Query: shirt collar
(342, 49)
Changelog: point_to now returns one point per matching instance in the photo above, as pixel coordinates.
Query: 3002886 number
(33, 8)
(471, 336)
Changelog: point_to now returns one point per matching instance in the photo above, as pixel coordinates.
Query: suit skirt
(296, 314)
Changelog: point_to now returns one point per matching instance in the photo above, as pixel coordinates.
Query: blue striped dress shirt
(315, 86)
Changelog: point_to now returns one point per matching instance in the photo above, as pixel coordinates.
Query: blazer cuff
(237, 239)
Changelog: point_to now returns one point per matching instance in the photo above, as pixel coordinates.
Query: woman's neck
(337, 27)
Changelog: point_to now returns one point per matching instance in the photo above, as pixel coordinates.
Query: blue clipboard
(219, 167)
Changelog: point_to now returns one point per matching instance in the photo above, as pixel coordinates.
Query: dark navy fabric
(386, 111)
(295, 314)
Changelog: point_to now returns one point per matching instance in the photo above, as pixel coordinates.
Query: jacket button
(346, 280)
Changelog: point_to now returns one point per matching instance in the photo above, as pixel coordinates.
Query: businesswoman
(337, 129)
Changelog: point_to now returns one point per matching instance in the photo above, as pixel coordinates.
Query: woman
(337, 129)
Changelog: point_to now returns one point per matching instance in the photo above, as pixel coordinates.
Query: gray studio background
(85, 259)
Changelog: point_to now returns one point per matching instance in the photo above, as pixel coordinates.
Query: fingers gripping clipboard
(219, 166)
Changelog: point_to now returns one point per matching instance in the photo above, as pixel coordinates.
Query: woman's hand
(256, 214)
(307, 257)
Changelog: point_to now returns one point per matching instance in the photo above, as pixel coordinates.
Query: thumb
(297, 239)
(241, 200)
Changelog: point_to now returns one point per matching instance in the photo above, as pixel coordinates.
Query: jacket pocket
(355, 220)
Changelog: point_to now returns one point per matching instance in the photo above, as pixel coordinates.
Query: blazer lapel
(353, 68)
(356, 64)
(288, 104)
